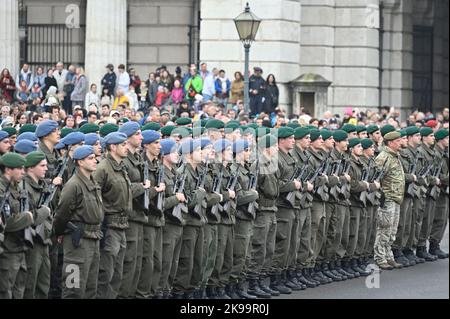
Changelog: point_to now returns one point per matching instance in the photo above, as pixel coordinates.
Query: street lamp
(247, 25)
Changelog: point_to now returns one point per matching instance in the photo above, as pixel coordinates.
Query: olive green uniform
(81, 204)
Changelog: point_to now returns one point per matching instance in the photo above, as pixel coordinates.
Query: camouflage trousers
(404, 223)
(387, 223)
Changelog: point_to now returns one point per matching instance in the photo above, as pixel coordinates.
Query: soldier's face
(174, 157)
(429, 140)
(305, 142)
(357, 150)
(376, 136)
(444, 142)
(154, 148)
(247, 154)
(329, 143)
(54, 137)
(121, 149)
(5, 146)
(415, 140)
(97, 149)
(89, 163)
(362, 134)
(39, 170)
(352, 135)
(342, 146)
(136, 139)
(228, 154)
(17, 174)
(370, 152)
(404, 141)
(197, 155)
(317, 144)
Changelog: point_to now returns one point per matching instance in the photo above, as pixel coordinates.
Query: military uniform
(81, 204)
(13, 248)
(392, 186)
(135, 232)
(117, 200)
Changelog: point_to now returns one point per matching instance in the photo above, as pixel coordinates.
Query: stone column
(106, 37)
(9, 36)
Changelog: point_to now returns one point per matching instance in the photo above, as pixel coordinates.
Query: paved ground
(424, 281)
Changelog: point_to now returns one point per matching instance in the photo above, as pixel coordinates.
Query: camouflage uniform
(392, 186)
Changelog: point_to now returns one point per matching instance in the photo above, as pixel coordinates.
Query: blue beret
(221, 145)
(150, 136)
(45, 128)
(102, 142)
(115, 138)
(60, 145)
(3, 135)
(188, 146)
(82, 152)
(25, 147)
(240, 146)
(129, 128)
(73, 138)
(91, 138)
(205, 142)
(168, 146)
(27, 136)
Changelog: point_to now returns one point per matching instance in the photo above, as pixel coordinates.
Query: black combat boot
(230, 291)
(254, 290)
(302, 279)
(409, 254)
(332, 267)
(363, 268)
(347, 267)
(435, 250)
(319, 276)
(421, 252)
(264, 287)
(338, 267)
(189, 295)
(211, 293)
(290, 280)
(277, 285)
(326, 271)
(307, 273)
(400, 258)
(241, 291)
(222, 294)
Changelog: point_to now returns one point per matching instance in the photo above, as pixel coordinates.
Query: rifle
(231, 186)
(365, 178)
(53, 188)
(161, 195)
(335, 171)
(24, 207)
(252, 185)
(179, 188)
(217, 186)
(3, 213)
(424, 172)
(345, 189)
(201, 184)
(435, 190)
(301, 175)
(378, 176)
(323, 189)
(412, 187)
(146, 178)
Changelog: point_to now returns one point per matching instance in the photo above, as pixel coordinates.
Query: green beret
(411, 130)
(166, 130)
(314, 134)
(108, 128)
(441, 134)
(89, 128)
(154, 126)
(253, 126)
(326, 134)
(386, 129)
(248, 131)
(403, 132)
(353, 142)
(391, 136)
(214, 123)
(284, 132)
(425, 131)
(360, 128)
(10, 130)
(182, 131)
(184, 121)
(28, 128)
(232, 126)
(366, 143)
(311, 127)
(66, 131)
(203, 122)
(293, 125)
(372, 129)
(34, 158)
(261, 131)
(349, 128)
(267, 141)
(12, 160)
(301, 132)
(340, 135)
(198, 130)
(243, 127)
(124, 120)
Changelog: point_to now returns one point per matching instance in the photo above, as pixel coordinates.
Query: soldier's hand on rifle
(231, 194)
(377, 184)
(347, 177)
(298, 185)
(146, 184)
(160, 188)
(414, 178)
(180, 197)
(57, 181)
(367, 184)
(309, 186)
(438, 181)
(31, 215)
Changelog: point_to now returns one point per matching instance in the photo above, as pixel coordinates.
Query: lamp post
(247, 25)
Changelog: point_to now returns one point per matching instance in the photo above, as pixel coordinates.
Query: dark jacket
(109, 81)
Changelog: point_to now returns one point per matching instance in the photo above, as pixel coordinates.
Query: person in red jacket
(7, 85)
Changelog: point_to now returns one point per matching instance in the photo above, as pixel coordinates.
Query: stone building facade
(369, 53)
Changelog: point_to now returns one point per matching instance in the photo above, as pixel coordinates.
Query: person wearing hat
(89, 128)
(264, 229)
(93, 140)
(189, 275)
(27, 128)
(361, 130)
(441, 210)
(38, 258)
(117, 202)
(358, 214)
(166, 131)
(173, 228)
(5, 143)
(71, 142)
(427, 204)
(184, 121)
(233, 131)
(350, 129)
(304, 251)
(215, 129)
(134, 233)
(24, 147)
(281, 281)
(257, 86)
(27, 136)
(80, 206)
(318, 217)
(392, 185)
(153, 228)
(374, 133)
(12, 245)
(12, 132)
(244, 221)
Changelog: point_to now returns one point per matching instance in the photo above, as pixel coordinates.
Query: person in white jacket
(60, 76)
(123, 79)
(92, 96)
